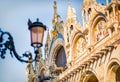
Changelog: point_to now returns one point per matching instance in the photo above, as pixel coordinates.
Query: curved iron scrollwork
(7, 43)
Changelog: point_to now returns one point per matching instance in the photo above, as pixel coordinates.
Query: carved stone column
(116, 26)
(83, 21)
(74, 76)
(108, 15)
(86, 15)
(113, 7)
(77, 74)
(106, 2)
(71, 77)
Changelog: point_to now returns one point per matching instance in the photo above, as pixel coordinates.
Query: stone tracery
(87, 46)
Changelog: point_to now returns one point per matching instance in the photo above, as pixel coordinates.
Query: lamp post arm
(7, 43)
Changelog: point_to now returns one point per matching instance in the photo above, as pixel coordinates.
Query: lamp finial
(37, 19)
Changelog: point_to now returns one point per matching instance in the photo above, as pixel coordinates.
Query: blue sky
(14, 15)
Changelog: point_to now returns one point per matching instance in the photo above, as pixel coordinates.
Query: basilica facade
(86, 52)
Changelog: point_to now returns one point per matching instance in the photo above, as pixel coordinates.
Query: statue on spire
(55, 8)
(56, 22)
(56, 16)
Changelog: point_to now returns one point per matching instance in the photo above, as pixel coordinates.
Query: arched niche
(79, 44)
(60, 59)
(54, 48)
(88, 76)
(99, 28)
(113, 72)
(58, 54)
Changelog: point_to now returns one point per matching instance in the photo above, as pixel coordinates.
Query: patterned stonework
(92, 48)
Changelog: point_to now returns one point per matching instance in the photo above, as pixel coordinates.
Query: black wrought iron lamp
(37, 33)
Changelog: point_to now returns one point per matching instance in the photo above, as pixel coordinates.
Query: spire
(48, 40)
(71, 11)
(55, 8)
(56, 16)
(48, 37)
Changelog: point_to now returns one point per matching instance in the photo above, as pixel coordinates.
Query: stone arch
(74, 34)
(60, 59)
(96, 20)
(89, 76)
(78, 37)
(75, 37)
(55, 47)
(58, 44)
(41, 71)
(112, 73)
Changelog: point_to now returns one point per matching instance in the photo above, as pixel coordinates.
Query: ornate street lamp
(37, 33)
